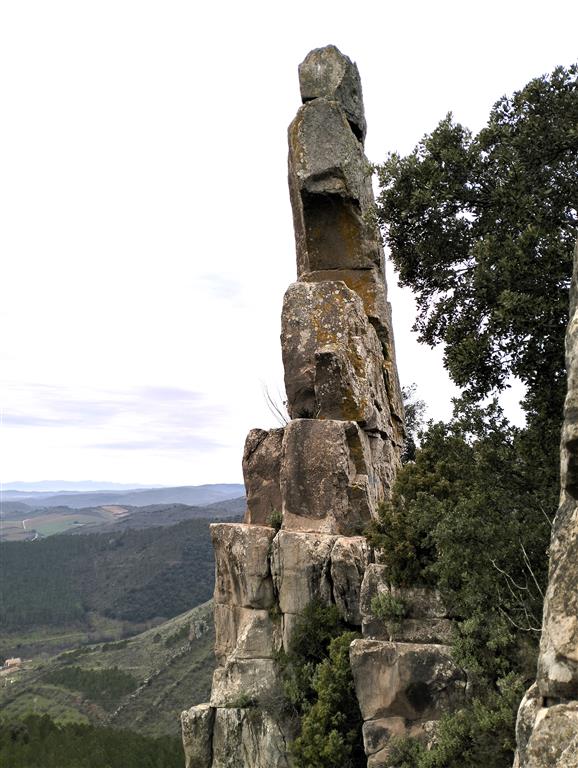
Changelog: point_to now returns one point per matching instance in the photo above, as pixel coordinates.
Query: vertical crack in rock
(547, 726)
(322, 477)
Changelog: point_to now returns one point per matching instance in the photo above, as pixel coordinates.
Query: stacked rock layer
(313, 485)
(547, 728)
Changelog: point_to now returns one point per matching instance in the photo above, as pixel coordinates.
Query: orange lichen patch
(368, 284)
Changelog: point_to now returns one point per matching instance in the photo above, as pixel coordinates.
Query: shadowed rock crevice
(333, 229)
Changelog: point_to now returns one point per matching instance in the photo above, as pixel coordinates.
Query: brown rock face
(425, 619)
(197, 732)
(244, 737)
(242, 574)
(327, 73)
(329, 482)
(261, 466)
(330, 186)
(245, 633)
(402, 688)
(333, 359)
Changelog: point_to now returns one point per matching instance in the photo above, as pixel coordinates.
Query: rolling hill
(65, 590)
(141, 683)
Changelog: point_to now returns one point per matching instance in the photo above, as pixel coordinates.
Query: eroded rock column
(313, 485)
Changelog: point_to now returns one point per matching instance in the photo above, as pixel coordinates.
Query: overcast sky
(146, 237)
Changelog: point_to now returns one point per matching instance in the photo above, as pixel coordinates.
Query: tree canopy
(481, 228)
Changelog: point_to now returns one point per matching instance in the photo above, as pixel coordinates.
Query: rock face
(261, 468)
(548, 717)
(402, 689)
(323, 475)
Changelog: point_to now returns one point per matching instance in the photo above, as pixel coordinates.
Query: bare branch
(529, 567)
(275, 409)
(518, 626)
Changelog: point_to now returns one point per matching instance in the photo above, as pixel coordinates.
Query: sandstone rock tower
(547, 728)
(324, 474)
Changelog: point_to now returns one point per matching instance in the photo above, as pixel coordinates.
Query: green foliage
(331, 726)
(104, 686)
(316, 627)
(319, 685)
(482, 229)
(178, 637)
(38, 743)
(275, 519)
(242, 701)
(115, 646)
(134, 575)
(390, 609)
(480, 736)
(470, 516)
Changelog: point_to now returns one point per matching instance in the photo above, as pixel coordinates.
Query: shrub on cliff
(470, 516)
(319, 686)
(316, 627)
(481, 736)
(331, 726)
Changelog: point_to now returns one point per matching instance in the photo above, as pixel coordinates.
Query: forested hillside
(141, 683)
(39, 743)
(133, 575)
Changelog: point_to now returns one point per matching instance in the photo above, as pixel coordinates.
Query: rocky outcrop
(425, 618)
(547, 725)
(402, 689)
(322, 477)
(261, 470)
(197, 731)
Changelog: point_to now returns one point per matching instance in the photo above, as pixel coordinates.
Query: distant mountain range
(73, 486)
(194, 495)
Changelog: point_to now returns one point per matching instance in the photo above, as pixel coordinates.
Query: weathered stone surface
(426, 619)
(558, 660)
(331, 193)
(327, 73)
(197, 733)
(369, 284)
(331, 481)
(300, 564)
(242, 679)
(349, 559)
(569, 757)
(553, 735)
(528, 711)
(420, 602)
(407, 680)
(332, 357)
(247, 738)
(261, 466)
(377, 735)
(242, 574)
(245, 633)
